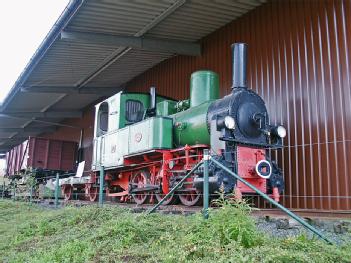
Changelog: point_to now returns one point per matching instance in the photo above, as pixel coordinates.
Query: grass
(110, 234)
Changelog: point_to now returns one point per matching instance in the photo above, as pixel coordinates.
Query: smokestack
(239, 60)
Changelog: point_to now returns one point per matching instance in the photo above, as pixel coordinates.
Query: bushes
(231, 222)
(110, 234)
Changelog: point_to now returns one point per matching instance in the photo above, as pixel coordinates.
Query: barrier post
(101, 190)
(205, 186)
(57, 185)
(31, 194)
(14, 190)
(3, 191)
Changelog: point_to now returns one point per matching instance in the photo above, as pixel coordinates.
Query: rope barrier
(63, 176)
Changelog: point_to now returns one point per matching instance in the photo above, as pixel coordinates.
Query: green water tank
(204, 86)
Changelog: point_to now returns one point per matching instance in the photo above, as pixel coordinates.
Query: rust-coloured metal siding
(15, 160)
(42, 153)
(299, 62)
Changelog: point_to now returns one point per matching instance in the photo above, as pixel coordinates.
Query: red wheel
(190, 196)
(169, 201)
(139, 180)
(67, 191)
(91, 192)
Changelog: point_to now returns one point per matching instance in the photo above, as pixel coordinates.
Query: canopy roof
(95, 47)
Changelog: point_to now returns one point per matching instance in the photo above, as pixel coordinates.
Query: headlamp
(229, 122)
(280, 131)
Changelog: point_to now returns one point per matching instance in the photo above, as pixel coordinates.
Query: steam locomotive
(146, 143)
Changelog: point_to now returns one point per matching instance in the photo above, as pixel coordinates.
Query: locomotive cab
(113, 117)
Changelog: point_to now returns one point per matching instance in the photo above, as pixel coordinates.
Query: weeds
(110, 234)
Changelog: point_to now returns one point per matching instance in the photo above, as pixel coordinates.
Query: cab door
(109, 141)
(101, 129)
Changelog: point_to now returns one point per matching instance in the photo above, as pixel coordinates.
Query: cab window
(134, 111)
(102, 119)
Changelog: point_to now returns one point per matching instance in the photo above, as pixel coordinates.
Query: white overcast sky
(24, 24)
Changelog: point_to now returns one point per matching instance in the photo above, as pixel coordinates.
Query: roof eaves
(71, 8)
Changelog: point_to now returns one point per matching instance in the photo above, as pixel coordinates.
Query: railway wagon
(43, 157)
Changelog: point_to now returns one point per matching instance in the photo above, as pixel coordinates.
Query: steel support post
(173, 189)
(206, 197)
(284, 209)
(57, 185)
(101, 190)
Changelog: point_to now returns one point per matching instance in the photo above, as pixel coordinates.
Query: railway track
(166, 209)
(184, 210)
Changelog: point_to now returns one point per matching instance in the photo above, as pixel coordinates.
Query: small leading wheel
(139, 180)
(172, 200)
(91, 192)
(67, 191)
(190, 195)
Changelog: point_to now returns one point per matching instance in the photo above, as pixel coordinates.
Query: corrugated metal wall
(299, 62)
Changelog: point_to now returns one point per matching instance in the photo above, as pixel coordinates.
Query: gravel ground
(338, 231)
